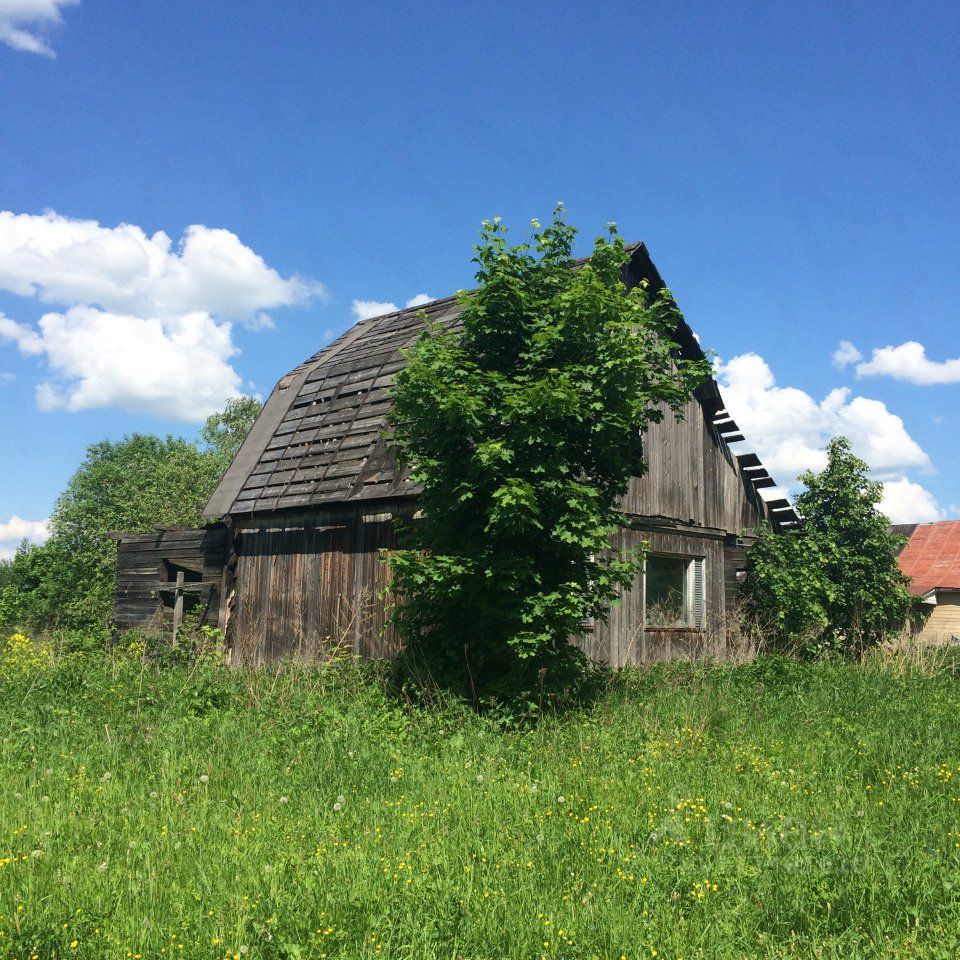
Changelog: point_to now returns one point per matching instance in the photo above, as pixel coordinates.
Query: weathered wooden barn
(312, 495)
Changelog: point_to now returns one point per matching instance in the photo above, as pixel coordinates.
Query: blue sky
(792, 169)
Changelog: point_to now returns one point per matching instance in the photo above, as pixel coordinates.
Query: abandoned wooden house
(311, 498)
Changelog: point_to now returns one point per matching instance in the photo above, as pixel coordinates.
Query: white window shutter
(698, 590)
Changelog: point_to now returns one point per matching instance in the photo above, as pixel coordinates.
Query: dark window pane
(666, 595)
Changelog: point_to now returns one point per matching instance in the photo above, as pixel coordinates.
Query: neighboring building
(931, 558)
(312, 495)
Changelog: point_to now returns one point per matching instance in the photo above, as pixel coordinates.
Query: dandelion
(561, 799)
(284, 799)
(244, 948)
(154, 794)
(204, 778)
(101, 867)
(341, 798)
(106, 777)
(338, 806)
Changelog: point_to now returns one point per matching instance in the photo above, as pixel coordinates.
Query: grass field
(768, 810)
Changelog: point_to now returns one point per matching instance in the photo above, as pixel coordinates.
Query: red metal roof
(932, 557)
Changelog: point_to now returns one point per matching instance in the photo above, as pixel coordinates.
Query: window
(673, 592)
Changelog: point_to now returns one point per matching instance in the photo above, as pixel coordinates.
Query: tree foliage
(130, 485)
(224, 432)
(834, 584)
(524, 429)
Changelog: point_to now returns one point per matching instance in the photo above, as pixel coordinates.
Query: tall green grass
(768, 810)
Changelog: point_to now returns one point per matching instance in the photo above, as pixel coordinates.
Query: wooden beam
(178, 606)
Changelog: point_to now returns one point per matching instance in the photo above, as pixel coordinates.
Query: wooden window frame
(695, 570)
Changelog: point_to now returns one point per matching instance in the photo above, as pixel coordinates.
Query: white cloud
(148, 326)
(176, 367)
(26, 338)
(909, 362)
(908, 502)
(419, 300)
(16, 530)
(365, 309)
(121, 269)
(845, 354)
(789, 430)
(23, 21)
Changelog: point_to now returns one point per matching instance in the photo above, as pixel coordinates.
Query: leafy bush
(524, 431)
(833, 585)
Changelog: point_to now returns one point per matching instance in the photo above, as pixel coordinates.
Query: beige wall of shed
(943, 624)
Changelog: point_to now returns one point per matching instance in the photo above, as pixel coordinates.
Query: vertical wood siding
(309, 584)
(693, 477)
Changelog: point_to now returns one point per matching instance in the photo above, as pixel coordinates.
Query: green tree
(223, 432)
(131, 485)
(524, 430)
(834, 583)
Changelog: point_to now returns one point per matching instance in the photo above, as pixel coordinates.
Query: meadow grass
(767, 810)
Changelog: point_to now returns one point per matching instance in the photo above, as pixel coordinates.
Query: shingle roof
(319, 438)
(932, 557)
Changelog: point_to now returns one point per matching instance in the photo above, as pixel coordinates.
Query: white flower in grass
(284, 799)
(132, 844)
(533, 788)
(338, 806)
(106, 777)
(244, 948)
(154, 794)
(101, 867)
(561, 799)
(204, 778)
(267, 868)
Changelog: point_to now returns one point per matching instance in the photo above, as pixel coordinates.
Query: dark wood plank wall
(310, 583)
(141, 569)
(693, 477)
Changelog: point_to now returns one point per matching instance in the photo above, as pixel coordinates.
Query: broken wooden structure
(169, 571)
